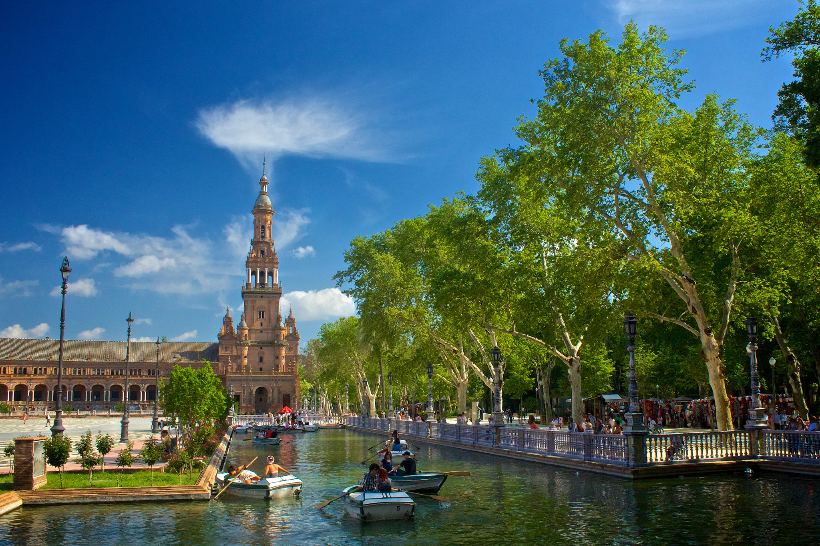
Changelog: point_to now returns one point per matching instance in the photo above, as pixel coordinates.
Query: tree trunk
(461, 392)
(792, 371)
(574, 371)
(717, 380)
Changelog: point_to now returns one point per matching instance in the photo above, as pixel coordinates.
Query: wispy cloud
(17, 288)
(143, 321)
(17, 331)
(304, 251)
(92, 333)
(327, 303)
(84, 288)
(186, 336)
(692, 18)
(288, 226)
(18, 247)
(310, 125)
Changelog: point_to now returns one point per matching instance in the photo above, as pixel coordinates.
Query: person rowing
(272, 469)
(407, 467)
(375, 480)
(242, 474)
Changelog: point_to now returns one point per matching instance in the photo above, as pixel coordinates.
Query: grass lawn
(140, 478)
(6, 481)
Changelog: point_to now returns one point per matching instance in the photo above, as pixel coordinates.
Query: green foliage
(86, 444)
(138, 478)
(195, 396)
(125, 459)
(5, 408)
(8, 451)
(151, 455)
(57, 450)
(104, 445)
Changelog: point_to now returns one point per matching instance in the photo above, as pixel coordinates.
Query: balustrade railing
(615, 449)
(792, 445)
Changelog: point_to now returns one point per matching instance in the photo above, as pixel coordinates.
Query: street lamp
(124, 422)
(430, 409)
(772, 362)
(390, 382)
(634, 418)
(155, 419)
(498, 418)
(756, 418)
(58, 428)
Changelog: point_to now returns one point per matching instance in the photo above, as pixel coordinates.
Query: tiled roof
(106, 351)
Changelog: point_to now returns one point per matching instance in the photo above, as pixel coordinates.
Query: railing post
(429, 428)
(636, 448)
(551, 442)
(756, 439)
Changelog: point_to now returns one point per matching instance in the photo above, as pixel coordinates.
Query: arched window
(263, 232)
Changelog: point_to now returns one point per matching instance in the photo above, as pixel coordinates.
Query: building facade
(257, 359)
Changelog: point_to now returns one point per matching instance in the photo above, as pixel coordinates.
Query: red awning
(285, 410)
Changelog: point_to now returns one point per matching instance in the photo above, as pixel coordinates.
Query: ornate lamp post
(772, 362)
(155, 419)
(498, 417)
(124, 422)
(756, 417)
(58, 427)
(634, 417)
(430, 409)
(390, 382)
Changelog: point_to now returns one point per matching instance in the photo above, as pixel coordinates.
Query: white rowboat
(285, 485)
(373, 506)
(421, 483)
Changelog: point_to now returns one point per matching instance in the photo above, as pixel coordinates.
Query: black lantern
(630, 325)
(496, 356)
(65, 268)
(751, 328)
(429, 370)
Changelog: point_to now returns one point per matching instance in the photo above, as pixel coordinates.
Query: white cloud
(84, 288)
(692, 17)
(310, 126)
(84, 243)
(143, 321)
(17, 247)
(143, 338)
(17, 288)
(288, 227)
(144, 265)
(304, 251)
(238, 233)
(17, 331)
(186, 336)
(93, 333)
(327, 303)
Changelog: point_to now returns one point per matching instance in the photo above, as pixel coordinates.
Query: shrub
(104, 445)
(150, 455)
(5, 408)
(124, 459)
(57, 450)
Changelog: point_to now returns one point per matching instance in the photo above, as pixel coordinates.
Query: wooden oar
(451, 472)
(325, 503)
(434, 497)
(233, 480)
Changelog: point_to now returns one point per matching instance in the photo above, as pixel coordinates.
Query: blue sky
(133, 134)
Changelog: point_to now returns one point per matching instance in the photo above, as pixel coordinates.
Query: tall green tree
(798, 109)
(195, 396)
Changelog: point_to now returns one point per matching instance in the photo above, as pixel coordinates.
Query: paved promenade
(139, 431)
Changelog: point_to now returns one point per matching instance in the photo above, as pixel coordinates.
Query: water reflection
(503, 501)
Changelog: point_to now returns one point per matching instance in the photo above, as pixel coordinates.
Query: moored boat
(281, 486)
(310, 427)
(374, 506)
(422, 483)
(266, 441)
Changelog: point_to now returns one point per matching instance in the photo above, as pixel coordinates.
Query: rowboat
(244, 428)
(310, 427)
(267, 441)
(266, 488)
(373, 506)
(421, 483)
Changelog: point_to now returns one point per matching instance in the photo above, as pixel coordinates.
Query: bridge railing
(792, 445)
(698, 446)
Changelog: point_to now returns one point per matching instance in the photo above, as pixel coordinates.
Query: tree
(88, 458)
(104, 445)
(195, 396)
(57, 450)
(669, 184)
(798, 110)
(124, 459)
(150, 455)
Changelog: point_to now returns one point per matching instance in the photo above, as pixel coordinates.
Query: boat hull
(310, 428)
(266, 488)
(267, 441)
(379, 506)
(421, 483)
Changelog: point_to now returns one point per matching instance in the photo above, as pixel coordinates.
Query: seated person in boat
(242, 474)
(272, 469)
(395, 442)
(373, 481)
(387, 461)
(408, 465)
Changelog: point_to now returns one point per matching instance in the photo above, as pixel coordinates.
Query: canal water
(502, 502)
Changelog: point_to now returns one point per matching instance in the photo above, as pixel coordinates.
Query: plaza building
(256, 359)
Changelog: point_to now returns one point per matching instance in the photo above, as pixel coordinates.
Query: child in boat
(242, 474)
(272, 469)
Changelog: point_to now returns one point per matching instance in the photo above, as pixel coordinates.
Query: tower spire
(264, 165)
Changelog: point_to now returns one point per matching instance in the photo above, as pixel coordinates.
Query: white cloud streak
(17, 331)
(691, 18)
(288, 227)
(186, 336)
(19, 247)
(92, 333)
(84, 288)
(304, 251)
(17, 288)
(327, 303)
(310, 126)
